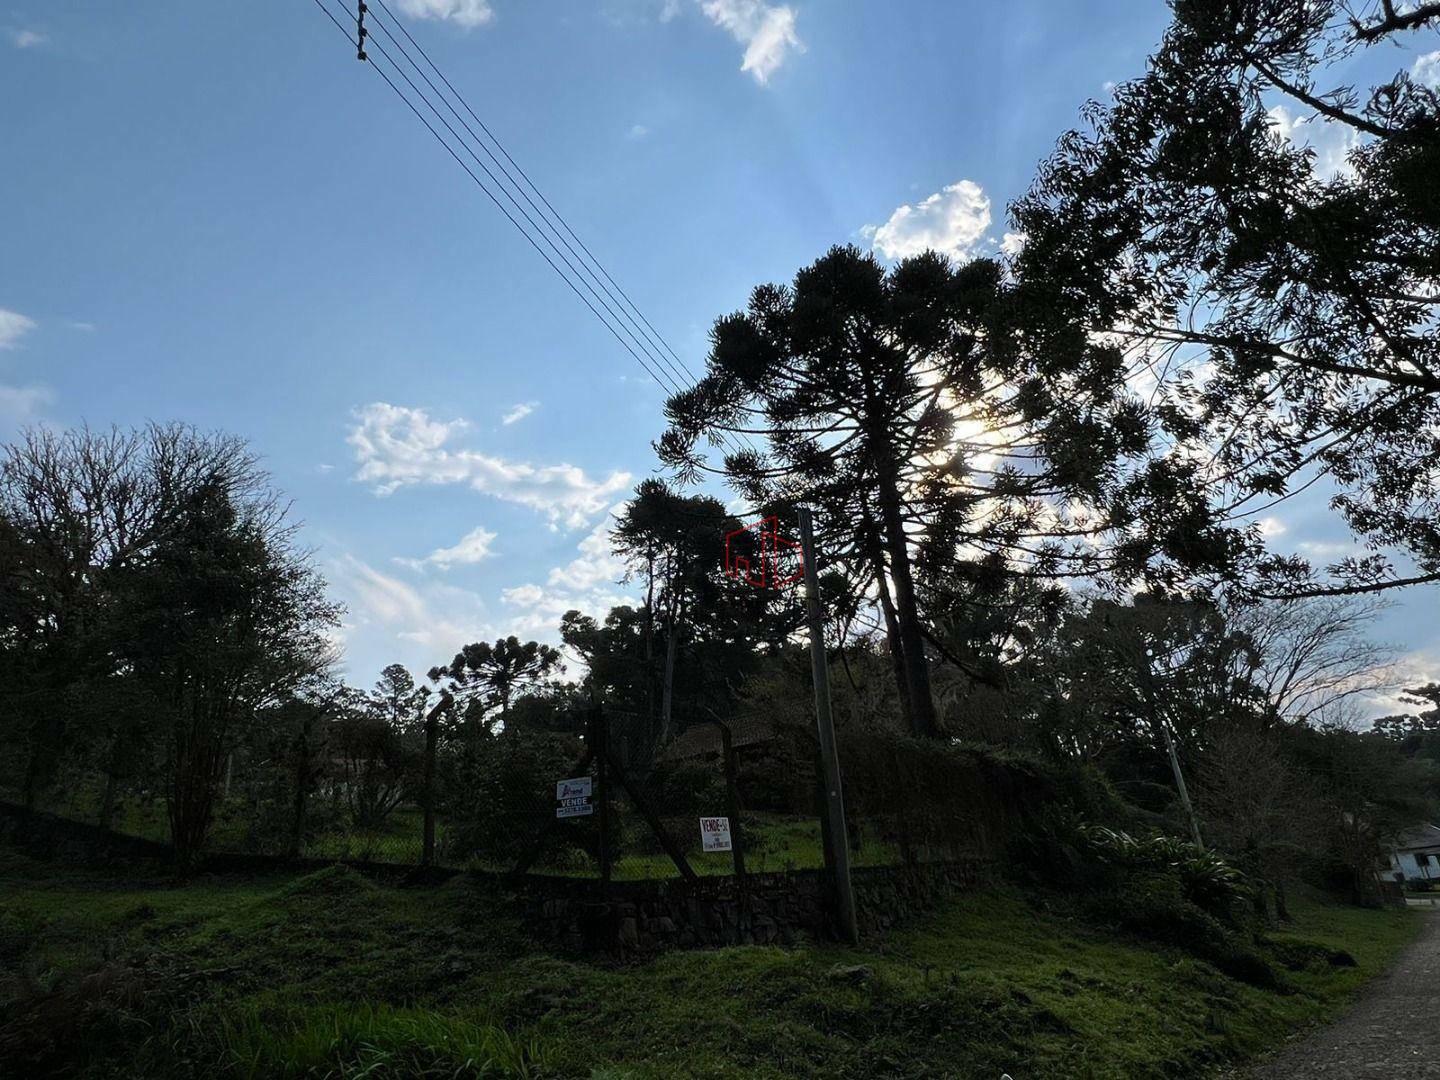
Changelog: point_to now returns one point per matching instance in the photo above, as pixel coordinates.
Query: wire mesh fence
(599, 794)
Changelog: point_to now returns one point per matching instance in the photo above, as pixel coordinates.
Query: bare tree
(1312, 656)
(1258, 807)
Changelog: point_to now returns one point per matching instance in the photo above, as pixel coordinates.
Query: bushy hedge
(1163, 889)
(1154, 904)
(498, 792)
(945, 800)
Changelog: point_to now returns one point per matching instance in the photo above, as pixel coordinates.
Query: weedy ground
(335, 975)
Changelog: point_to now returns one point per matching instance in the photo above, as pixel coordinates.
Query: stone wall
(781, 908)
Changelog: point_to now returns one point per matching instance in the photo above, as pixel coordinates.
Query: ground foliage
(332, 974)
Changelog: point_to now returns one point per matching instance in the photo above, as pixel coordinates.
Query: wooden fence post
(600, 736)
(732, 802)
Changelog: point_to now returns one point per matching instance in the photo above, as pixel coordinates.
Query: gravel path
(1393, 1031)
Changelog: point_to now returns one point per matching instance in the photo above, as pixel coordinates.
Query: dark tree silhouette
(159, 602)
(226, 617)
(488, 676)
(1276, 312)
(676, 543)
(885, 400)
(78, 510)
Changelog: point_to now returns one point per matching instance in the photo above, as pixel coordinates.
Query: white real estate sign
(572, 797)
(715, 833)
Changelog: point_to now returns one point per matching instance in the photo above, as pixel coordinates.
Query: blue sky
(213, 213)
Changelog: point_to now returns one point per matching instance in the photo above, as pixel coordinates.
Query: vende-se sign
(572, 797)
(715, 834)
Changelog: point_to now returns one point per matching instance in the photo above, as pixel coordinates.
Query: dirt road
(1393, 1030)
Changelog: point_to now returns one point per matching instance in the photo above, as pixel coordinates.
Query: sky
(213, 213)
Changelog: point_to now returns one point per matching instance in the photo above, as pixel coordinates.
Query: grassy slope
(341, 975)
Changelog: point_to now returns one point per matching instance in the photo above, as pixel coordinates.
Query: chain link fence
(597, 794)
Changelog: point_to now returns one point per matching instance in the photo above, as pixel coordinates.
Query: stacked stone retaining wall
(781, 908)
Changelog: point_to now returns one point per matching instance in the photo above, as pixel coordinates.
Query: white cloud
(669, 9)
(1012, 243)
(84, 327)
(523, 595)
(1331, 142)
(1271, 527)
(466, 13)
(1427, 70)
(440, 619)
(19, 401)
(13, 327)
(1411, 670)
(473, 547)
(397, 446)
(27, 39)
(429, 619)
(639, 131)
(1329, 549)
(589, 583)
(767, 32)
(953, 221)
(519, 412)
(386, 599)
(24, 400)
(596, 564)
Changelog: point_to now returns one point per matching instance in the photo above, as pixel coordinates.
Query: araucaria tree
(1262, 244)
(673, 543)
(484, 676)
(884, 399)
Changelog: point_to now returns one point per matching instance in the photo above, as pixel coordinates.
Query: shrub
(1153, 904)
(965, 800)
(782, 779)
(1297, 954)
(1205, 878)
(688, 790)
(498, 791)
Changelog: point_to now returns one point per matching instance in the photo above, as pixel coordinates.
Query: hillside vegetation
(332, 974)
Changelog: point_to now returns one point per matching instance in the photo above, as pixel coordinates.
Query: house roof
(1420, 838)
(701, 740)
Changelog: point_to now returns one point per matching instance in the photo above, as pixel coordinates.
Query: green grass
(334, 975)
(370, 1040)
(399, 840)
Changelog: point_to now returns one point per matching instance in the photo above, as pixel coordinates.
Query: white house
(1416, 855)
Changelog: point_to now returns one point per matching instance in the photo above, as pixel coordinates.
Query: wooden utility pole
(837, 846)
(1180, 783)
(432, 739)
(1157, 718)
(732, 801)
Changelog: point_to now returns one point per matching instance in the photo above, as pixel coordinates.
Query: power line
(658, 376)
(674, 364)
(654, 359)
(569, 265)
